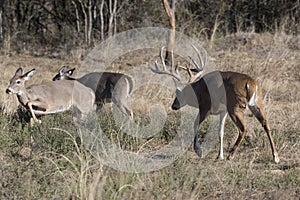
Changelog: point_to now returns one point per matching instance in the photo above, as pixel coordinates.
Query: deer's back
(102, 83)
(53, 91)
(239, 88)
(60, 95)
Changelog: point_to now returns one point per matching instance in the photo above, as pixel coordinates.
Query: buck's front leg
(197, 147)
(222, 124)
(200, 118)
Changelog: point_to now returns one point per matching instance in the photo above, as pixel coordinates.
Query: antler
(197, 68)
(172, 72)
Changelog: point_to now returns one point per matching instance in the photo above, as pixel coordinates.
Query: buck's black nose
(175, 107)
(8, 91)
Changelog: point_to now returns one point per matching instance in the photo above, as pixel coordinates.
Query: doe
(108, 86)
(50, 97)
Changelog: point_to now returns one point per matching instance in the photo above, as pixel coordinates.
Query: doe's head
(63, 74)
(17, 82)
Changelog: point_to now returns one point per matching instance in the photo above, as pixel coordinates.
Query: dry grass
(57, 168)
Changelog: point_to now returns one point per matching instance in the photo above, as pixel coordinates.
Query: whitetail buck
(205, 93)
(108, 86)
(50, 97)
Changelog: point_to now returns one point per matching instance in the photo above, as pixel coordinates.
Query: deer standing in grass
(216, 93)
(108, 86)
(240, 91)
(50, 97)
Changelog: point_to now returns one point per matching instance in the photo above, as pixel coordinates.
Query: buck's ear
(177, 84)
(62, 70)
(178, 92)
(19, 72)
(29, 74)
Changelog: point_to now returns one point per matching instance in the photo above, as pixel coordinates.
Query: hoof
(199, 152)
(276, 159)
(230, 157)
(33, 121)
(131, 116)
(220, 157)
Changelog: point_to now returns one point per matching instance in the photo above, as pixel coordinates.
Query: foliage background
(48, 26)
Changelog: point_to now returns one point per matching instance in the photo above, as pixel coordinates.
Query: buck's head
(17, 82)
(63, 74)
(179, 100)
(186, 96)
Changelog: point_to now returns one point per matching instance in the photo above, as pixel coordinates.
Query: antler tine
(203, 63)
(189, 71)
(198, 68)
(162, 58)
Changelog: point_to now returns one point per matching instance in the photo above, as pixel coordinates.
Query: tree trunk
(169, 60)
(112, 12)
(85, 22)
(90, 25)
(101, 20)
(77, 19)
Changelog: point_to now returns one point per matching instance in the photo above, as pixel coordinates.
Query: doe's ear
(29, 74)
(70, 72)
(62, 70)
(19, 72)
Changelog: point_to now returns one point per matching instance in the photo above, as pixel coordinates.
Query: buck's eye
(18, 82)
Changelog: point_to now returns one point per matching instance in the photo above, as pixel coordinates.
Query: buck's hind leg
(259, 114)
(121, 102)
(119, 98)
(238, 118)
